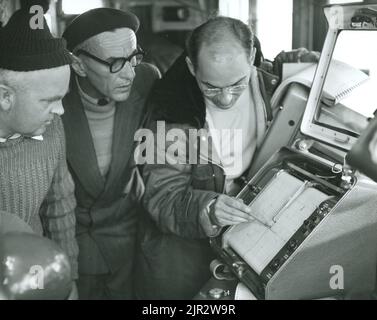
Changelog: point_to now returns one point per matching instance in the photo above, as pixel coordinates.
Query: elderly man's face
(120, 43)
(225, 67)
(37, 100)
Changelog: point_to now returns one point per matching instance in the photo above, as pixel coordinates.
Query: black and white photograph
(205, 151)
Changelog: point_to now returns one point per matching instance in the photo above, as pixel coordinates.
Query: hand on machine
(226, 211)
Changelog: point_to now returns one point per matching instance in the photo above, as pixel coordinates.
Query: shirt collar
(17, 135)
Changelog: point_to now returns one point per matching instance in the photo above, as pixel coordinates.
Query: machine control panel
(306, 228)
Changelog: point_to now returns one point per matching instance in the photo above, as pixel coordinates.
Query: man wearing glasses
(214, 87)
(104, 108)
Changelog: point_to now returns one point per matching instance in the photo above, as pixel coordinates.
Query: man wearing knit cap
(103, 110)
(35, 183)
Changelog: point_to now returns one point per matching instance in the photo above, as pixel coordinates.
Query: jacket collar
(176, 98)
(81, 154)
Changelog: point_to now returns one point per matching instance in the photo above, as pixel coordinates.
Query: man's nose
(225, 98)
(127, 72)
(58, 108)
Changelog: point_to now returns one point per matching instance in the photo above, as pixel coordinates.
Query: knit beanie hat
(23, 48)
(96, 21)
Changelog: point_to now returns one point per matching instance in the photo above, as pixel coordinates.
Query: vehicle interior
(314, 161)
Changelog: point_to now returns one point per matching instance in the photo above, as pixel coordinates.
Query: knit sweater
(35, 185)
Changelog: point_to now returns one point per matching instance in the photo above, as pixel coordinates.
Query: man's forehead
(54, 79)
(222, 66)
(40, 76)
(120, 42)
(221, 53)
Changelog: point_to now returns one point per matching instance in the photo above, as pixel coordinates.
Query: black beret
(96, 21)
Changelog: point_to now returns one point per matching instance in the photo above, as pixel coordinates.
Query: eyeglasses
(118, 63)
(209, 92)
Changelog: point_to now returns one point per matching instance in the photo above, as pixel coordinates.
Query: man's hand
(74, 295)
(227, 211)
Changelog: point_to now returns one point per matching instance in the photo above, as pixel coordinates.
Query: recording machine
(315, 229)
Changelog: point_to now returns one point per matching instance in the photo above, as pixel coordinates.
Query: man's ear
(190, 66)
(7, 97)
(78, 66)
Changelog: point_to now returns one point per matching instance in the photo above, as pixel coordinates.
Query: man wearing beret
(103, 110)
(35, 183)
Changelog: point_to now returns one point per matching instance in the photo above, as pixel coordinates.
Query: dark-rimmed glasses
(118, 63)
(234, 90)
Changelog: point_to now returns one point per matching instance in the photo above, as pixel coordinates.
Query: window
(274, 26)
(350, 97)
(343, 1)
(238, 9)
(48, 20)
(78, 7)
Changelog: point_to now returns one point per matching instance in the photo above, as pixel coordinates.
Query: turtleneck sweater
(101, 125)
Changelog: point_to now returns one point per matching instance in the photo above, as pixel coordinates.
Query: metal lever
(303, 187)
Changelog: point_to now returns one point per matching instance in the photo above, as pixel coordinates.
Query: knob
(324, 206)
(311, 227)
(275, 264)
(240, 271)
(308, 224)
(216, 293)
(293, 244)
(315, 219)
